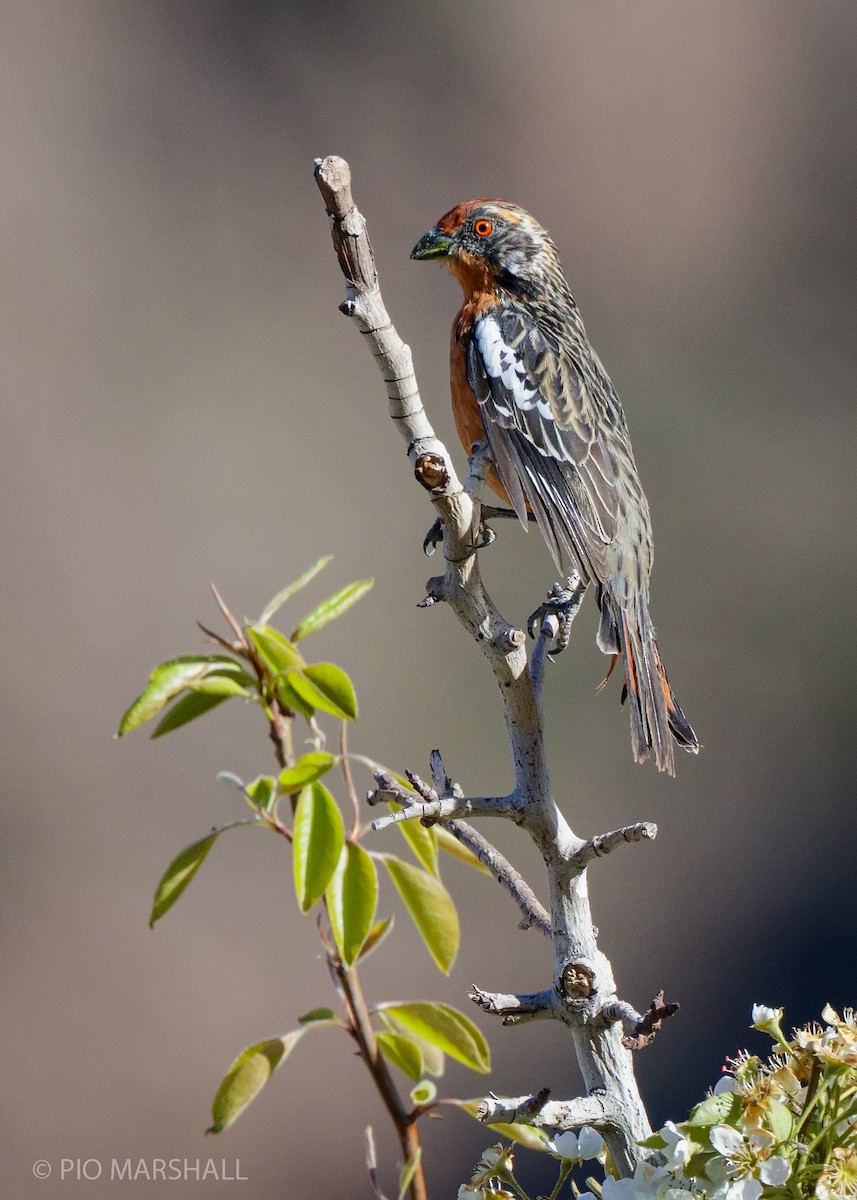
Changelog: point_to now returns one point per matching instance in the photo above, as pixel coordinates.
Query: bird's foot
(434, 537)
(563, 603)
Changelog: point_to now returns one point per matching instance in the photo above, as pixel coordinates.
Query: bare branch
(597, 847)
(533, 912)
(640, 1031)
(596, 1111)
(435, 808)
(515, 1010)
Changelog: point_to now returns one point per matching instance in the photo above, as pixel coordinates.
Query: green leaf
(524, 1135)
(716, 1110)
(422, 841)
(166, 681)
(447, 842)
(331, 608)
(179, 874)
(188, 708)
(446, 1028)
(290, 700)
(221, 685)
(317, 1014)
(351, 900)
(471, 1107)
(779, 1120)
(327, 687)
(654, 1142)
(434, 1060)
(261, 792)
(318, 836)
(289, 590)
(275, 648)
(307, 769)
(409, 1170)
(403, 1052)
(431, 909)
(247, 1076)
(424, 1092)
(375, 936)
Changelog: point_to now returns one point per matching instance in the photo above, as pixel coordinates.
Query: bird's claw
(484, 537)
(563, 603)
(433, 538)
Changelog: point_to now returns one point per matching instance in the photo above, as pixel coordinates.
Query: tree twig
(533, 912)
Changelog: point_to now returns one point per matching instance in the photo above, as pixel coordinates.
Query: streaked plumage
(525, 376)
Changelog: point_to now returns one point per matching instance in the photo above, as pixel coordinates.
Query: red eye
(482, 227)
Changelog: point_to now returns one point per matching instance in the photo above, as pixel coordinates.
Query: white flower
(677, 1150)
(737, 1189)
(618, 1189)
(766, 1019)
(838, 1180)
(726, 1083)
(576, 1146)
(590, 1143)
(775, 1171)
(748, 1163)
(653, 1183)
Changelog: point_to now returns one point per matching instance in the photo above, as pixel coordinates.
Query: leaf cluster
(334, 875)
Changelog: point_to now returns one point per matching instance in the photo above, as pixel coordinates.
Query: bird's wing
(545, 435)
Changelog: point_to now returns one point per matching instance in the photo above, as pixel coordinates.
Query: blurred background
(184, 403)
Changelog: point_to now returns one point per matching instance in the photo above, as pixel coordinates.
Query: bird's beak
(433, 244)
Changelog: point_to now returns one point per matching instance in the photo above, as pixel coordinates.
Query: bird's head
(489, 244)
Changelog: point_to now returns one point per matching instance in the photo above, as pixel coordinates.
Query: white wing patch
(504, 363)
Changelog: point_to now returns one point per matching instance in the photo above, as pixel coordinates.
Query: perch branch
(583, 979)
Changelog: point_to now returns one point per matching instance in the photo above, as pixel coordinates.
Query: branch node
(430, 470)
(576, 982)
(511, 639)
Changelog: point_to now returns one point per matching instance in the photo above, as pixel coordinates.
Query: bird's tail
(655, 712)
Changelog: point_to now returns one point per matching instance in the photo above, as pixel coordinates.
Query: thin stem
(364, 1035)
(348, 779)
(825, 1129)
(347, 980)
(564, 1172)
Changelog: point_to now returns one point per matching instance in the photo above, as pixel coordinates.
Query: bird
(525, 378)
